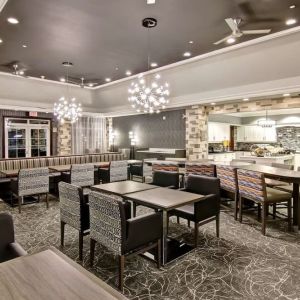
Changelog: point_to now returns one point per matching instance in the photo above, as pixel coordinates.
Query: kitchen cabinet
(257, 134)
(218, 132)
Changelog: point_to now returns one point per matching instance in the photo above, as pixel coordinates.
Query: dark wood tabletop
(123, 187)
(164, 198)
(50, 275)
(10, 173)
(60, 168)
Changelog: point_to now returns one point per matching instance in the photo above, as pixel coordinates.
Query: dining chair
(113, 228)
(273, 182)
(287, 188)
(141, 170)
(207, 209)
(74, 211)
(200, 168)
(228, 183)
(165, 179)
(30, 182)
(116, 171)
(165, 166)
(9, 248)
(252, 186)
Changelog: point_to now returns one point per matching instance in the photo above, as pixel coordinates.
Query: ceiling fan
(237, 33)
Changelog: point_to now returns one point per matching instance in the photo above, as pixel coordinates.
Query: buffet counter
(268, 160)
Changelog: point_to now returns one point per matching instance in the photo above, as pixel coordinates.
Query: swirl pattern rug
(241, 264)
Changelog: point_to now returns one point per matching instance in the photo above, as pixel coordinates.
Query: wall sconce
(133, 142)
(111, 139)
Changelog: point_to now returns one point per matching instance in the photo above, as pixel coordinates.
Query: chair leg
(189, 223)
(289, 212)
(264, 216)
(196, 234)
(134, 209)
(178, 220)
(47, 200)
(20, 203)
(121, 271)
(92, 251)
(240, 208)
(274, 210)
(80, 245)
(218, 225)
(259, 212)
(62, 233)
(159, 253)
(236, 206)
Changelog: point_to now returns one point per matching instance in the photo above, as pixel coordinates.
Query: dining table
(165, 199)
(10, 173)
(51, 275)
(289, 176)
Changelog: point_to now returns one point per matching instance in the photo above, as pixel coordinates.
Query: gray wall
(225, 119)
(151, 130)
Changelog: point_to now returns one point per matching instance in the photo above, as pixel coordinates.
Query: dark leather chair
(205, 210)
(113, 227)
(163, 179)
(74, 211)
(9, 248)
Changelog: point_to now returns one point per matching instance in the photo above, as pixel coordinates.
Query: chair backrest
(203, 185)
(7, 235)
(205, 169)
(228, 178)
(33, 181)
(251, 185)
(118, 170)
(82, 175)
(250, 161)
(107, 220)
(166, 178)
(165, 166)
(70, 202)
(282, 166)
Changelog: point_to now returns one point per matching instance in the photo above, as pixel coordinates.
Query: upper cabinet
(218, 132)
(256, 134)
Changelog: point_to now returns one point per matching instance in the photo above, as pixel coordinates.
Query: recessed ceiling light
(187, 54)
(246, 99)
(42, 76)
(90, 84)
(150, 1)
(213, 103)
(107, 79)
(286, 95)
(62, 79)
(128, 73)
(1, 41)
(191, 42)
(290, 22)
(292, 6)
(21, 72)
(230, 41)
(154, 65)
(12, 20)
(24, 46)
(116, 68)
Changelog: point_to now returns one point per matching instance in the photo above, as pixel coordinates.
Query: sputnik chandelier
(67, 109)
(149, 94)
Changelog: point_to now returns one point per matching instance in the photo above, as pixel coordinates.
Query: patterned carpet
(242, 264)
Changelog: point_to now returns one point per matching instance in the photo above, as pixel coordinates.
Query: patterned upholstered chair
(252, 186)
(31, 182)
(207, 209)
(80, 175)
(117, 171)
(74, 211)
(165, 166)
(228, 183)
(9, 248)
(202, 168)
(112, 227)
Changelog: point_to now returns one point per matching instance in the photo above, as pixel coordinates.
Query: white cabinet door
(211, 132)
(270, 134)
(240, 134)
(218, 132)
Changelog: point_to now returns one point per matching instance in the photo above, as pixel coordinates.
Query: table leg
(165, 237)
(296, 205)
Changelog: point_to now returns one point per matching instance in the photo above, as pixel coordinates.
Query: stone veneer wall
(289, 137)
(64, 139)
(196, 133)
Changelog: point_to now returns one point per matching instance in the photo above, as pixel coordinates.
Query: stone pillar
(64, 139)
(196, 133)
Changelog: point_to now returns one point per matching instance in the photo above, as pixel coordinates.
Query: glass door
(27, 138)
